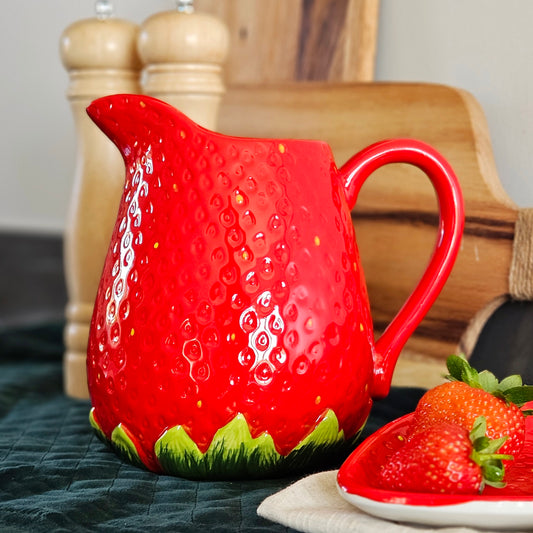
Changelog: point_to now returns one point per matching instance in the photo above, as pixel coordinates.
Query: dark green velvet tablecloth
(55, 475)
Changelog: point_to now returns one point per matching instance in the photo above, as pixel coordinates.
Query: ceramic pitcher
(231, 334)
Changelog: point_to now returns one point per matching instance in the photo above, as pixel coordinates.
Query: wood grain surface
(396, 214)
(281, 40)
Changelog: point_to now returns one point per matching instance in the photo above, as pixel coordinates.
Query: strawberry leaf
(459, 368)
(510, 389)
(519, 395)
(492, 446)
(479, 430)
(510, 382)
(488, 381)
(480, 443)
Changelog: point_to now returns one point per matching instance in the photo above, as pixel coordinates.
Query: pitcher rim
(159, 102)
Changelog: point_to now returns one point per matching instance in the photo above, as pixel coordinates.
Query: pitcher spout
(131, 121)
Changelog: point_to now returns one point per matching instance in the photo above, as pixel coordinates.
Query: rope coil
(521, 272)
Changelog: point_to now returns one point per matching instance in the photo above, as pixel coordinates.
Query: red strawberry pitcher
(231, 335)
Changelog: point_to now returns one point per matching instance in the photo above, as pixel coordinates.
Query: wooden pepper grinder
(182, 52)
(100, 55)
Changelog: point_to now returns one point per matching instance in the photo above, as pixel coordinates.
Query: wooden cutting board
(281, 40)
(396, 215)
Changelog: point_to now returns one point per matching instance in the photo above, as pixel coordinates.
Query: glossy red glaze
(233, 283)
(451, 223)
(359, 472)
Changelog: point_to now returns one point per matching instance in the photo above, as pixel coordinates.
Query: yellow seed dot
(318, 399)
(175, 187)
(156, 245)
(182, 134)
(245, 255)
(361, 327)
(239, 198)
(142, 104)
(317, 240)
(199, 404)
(355, 266)
(132, 332)
(281, 148)
(232, 336)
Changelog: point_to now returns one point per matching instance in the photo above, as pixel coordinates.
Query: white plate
(502, 515)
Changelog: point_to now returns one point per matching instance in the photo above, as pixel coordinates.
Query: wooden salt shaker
(101, 58)
(182, 52)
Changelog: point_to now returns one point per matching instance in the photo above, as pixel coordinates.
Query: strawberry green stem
(511, 389)
(484, 453)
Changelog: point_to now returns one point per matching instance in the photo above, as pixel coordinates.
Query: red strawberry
(470, 394)
(446, 459)
(226, 299)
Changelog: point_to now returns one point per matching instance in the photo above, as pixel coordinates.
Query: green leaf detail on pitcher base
(234, 453)
(120, 441)
(97, 429)
(327, 432)
(231, 449)
(124, 446)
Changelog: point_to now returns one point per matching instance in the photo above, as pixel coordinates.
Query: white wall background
(483, 46)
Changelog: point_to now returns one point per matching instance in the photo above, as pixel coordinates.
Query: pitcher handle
(451, 222)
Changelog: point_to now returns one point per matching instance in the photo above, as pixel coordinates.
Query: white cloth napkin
(313, 505)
